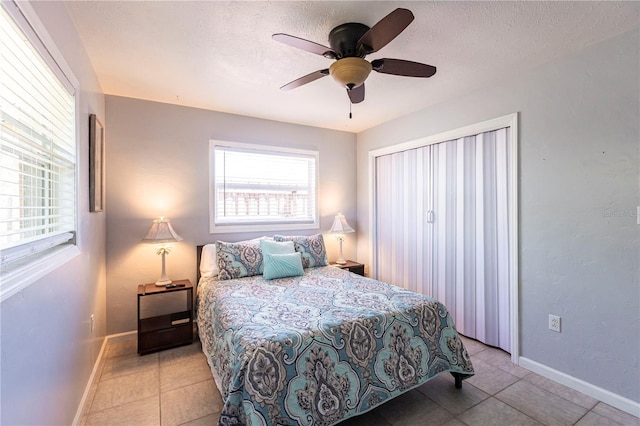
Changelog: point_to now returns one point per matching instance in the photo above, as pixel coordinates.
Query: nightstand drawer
(165, 338)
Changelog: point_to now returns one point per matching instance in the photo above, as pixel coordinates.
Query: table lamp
(340, 227)
(161, 232)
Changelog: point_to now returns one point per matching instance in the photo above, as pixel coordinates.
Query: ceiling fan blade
(356, 94)
(303, 44)
(402, 67)
(385, 30)
(306, 79)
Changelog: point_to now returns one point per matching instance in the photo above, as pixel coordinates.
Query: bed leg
(458, 378)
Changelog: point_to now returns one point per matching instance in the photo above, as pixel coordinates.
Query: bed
(317, 347)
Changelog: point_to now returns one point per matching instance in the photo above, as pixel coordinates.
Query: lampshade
(340, 225)
(161, 232)
(350, 72)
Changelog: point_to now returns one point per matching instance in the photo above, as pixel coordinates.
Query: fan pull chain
(350, 116)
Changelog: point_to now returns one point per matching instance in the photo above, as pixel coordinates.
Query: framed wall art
(96, 164)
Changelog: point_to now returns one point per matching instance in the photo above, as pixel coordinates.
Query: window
(262, 188)
(37, 153)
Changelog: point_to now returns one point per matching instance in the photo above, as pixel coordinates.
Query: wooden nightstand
(351, 266)
(169, 330)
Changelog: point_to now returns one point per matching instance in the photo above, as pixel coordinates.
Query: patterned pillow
(311, 247)
(282, 265)
(237, 260)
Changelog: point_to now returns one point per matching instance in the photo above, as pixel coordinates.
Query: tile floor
(175, 387)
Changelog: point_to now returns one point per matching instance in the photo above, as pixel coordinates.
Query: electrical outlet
(92, 324)
(554, 323)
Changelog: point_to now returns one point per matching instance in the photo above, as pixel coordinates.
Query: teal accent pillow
(282, 265)
(276, 247)
(311, 247)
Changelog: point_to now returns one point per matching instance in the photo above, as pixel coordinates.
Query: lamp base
(164, 279)
(341, 260)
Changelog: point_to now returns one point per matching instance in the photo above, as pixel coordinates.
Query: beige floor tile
(540, 404)
(216, 394)
(193, 369)
(142, 412)
(490, 379)
(127, 364)
(441, 389)
(615, 414)
(502, 360)
(411, 409)
(124, 389)
(492, 412)
(594, 419)
(181, 353)
(123, 347)
(561, 390)
(472, 345)
(370, 418)
(189, 403)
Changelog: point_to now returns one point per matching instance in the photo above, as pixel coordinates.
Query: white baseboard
(608, 397)
(121, 337)
(96, 367)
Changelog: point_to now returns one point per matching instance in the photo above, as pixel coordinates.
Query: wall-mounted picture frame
(96, 164)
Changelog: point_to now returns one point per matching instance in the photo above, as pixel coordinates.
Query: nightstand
(169, 330)
(351, 266)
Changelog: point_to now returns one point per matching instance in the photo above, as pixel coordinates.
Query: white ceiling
(220, 56)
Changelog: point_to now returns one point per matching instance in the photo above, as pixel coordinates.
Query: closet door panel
(384, 182)
(400, 219)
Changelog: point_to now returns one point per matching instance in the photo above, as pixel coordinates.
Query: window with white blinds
(37, 150)
(261, 188)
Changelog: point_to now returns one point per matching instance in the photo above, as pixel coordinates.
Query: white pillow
(208, 262)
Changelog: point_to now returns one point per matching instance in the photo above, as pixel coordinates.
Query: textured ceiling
(220, 55)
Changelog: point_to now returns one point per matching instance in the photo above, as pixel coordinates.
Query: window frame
(259, 227)
(34, 267)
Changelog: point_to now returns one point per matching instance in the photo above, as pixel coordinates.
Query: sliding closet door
(403, 190)
(442, 215)
(471, 234)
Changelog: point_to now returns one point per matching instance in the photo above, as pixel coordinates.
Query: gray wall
(157, 157)
(48, 352)
(579, 175)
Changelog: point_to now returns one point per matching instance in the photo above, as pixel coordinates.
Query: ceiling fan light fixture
(350, 72)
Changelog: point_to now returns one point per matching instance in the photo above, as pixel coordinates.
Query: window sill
(14, 281)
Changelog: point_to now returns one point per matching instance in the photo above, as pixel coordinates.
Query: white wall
(157, 157)
(579, 140)
(48, 351)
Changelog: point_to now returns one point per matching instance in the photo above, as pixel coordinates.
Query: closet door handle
(430, 216)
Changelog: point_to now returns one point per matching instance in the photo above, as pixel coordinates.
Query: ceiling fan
(350, 43)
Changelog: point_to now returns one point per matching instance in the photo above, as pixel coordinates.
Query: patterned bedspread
(319, 348)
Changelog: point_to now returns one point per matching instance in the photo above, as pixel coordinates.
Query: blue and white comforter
(317, 349)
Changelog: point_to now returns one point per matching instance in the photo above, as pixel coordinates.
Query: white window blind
(261, 186)
(37, 151)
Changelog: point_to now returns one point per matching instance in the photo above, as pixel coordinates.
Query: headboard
(198, 254)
